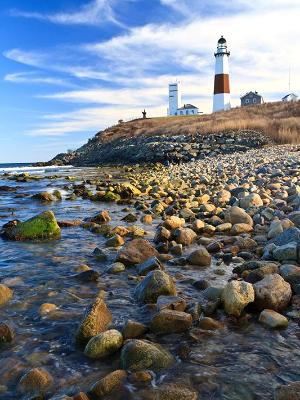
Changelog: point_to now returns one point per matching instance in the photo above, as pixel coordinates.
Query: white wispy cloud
(93, 13)
(34, 78)
(138, 64)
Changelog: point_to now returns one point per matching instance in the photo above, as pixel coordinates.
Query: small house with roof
(251, 98)
(188, 109)
(290, 97)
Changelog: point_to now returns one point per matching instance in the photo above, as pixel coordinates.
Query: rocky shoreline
(236, 215)
(160, 148)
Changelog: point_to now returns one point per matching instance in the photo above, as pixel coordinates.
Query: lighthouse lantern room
(221, 88)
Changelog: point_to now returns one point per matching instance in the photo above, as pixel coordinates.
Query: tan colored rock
(133, 329)
(171, 321)
(236, 215)
(200, 257)
(173, 222)
(185, 236)
(252, 200)
(104, 344)
(136, 252)
(147, 219)
(272, 292)
(237, 229)
(236, 296)
(6, 294)
(96, 320)
(288, 392)
(115, 241)
(198, 225)
(273, 319)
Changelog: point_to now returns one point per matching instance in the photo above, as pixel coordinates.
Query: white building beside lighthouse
(221, 87)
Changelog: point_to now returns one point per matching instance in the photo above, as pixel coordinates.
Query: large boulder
(272, 293)
(137, 251)
(155, 284)
(236, 296)
(6, 294)
(171, 321)
(96, 320)
(287, 236)
(184, 236)
(142, 354)
(104, 344)
(200, 257)
(236, 215)
(41, 227)
(286, 252)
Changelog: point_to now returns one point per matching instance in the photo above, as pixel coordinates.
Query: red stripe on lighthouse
(221, 83)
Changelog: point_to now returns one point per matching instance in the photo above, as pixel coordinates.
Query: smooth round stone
(104, 344)
(116, 268)
(273, 319)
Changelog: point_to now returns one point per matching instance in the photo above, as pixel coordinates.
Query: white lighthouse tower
(222, 89)
(174, 97)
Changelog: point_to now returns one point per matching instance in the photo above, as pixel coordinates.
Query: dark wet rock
(6, 294)
(104, 344)
(291, 274)
(130, 218)
(35, 381)
(253, 265)
(136, 251)
(288, 392)
(133, 329)
(109, 383)
(286, 252)
(99, 254)
(185, 236)
(259, 273)
(287, 236)
(202, 284)
(200, 257)
(142, 354)
(155, 284)
(41, 227)
(170, 392)
(96, 320)
(88, 276)
(273, 293)
(171, 303)
(6, 333)
(170, 321)
(236, 296)
(149, 265)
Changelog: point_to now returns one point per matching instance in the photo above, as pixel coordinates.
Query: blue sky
(70, 68)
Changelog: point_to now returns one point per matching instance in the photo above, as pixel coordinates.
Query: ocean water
(14, 168)
(240, 361)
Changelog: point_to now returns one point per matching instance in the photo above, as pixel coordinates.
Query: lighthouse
(174, 98)
(222, 90)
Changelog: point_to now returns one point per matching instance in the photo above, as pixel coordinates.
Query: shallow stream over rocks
(241, 361)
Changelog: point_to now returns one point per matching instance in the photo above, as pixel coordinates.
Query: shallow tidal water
(242, 361)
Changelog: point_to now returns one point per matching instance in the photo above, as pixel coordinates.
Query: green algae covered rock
(111, 196)
(41, 227)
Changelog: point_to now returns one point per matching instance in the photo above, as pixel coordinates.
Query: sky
(70, 68)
